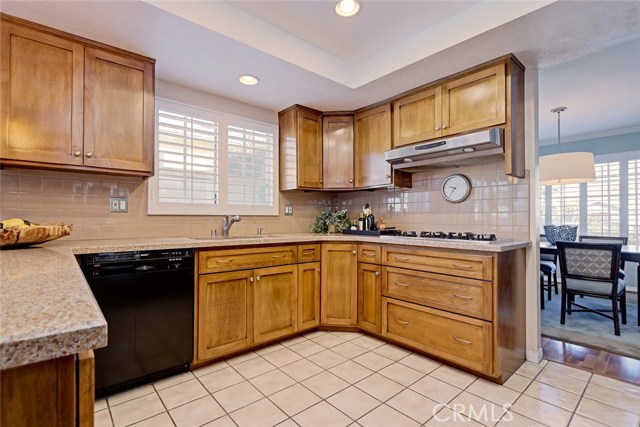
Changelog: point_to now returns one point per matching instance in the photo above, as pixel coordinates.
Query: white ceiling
(304, 53)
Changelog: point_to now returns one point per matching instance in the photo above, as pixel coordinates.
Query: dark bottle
(371, 222)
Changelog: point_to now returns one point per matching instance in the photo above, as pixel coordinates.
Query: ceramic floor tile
(414, 405)
(373, 361)
(627, 401)
(401, 374)
(347, 336)
(545, 413)
(517, 382)
(314, 334)
(580, 421)
(197, 412)
(562, 381)
(269, 349)
(160, 420)
(328, 340)
(322, 415)
(136, 410)
(616, 385)
(325, 384)
(349, 350)
(176, 379)
(254, 367)
(221, 379)
(225, 421)
(294, 399)
(350, 371)
(478, 409)
(327, 359)
(436, 390)
(606, 414)
(555, 396)
(568, 370)
(134, 393)
(353, 402)
(301, 370)
(368, 342)
(392, 352)
(448, 418)
(99, 405)
(492, 392)
(420, 363)
(385, 416)
(182, 393)
(513, 419)
(282, 357)
(306, 348)
(379, 387)
(237, 396)
(102, 418)
(210, 368)
(288, 423)
(529, 369)
(272, 382)
(242, 358)
(260, 413)
(453, 376)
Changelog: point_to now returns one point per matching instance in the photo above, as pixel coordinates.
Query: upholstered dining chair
(607, 239)
(548, 266)
(592, 269)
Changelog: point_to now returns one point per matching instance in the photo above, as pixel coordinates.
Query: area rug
(591, 330)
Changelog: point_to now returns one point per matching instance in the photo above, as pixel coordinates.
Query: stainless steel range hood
(464, 150)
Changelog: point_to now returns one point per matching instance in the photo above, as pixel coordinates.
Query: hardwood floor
(595, 361)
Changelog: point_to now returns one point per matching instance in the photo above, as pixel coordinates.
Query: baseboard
(534, 356)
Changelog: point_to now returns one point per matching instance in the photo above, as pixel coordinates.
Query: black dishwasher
(147, 300)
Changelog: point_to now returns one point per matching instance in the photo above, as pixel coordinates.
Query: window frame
(155, 207)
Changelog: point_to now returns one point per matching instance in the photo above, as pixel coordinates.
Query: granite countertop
(47, 309)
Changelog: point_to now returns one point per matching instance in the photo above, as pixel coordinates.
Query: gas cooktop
(440, 235)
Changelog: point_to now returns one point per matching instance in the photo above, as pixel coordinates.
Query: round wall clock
(456, 188)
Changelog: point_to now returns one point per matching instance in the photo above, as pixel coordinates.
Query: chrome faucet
(226, 224)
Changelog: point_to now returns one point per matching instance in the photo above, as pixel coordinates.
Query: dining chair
(592, 269)
(607, 239)
(549, 267)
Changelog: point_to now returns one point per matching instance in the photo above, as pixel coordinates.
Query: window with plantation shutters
(633, 185)
(209, 163)
(603, 201)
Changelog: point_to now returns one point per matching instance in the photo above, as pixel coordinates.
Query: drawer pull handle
(462, 297)
(398, 258)
(402, 285)
(369, 254)
(309, 252)
(224, 261)
(277, 256)
(461, 341)
(402, 322)
(462, 265)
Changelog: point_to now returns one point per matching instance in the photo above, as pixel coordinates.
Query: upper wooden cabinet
(300, 148)
(337, 152)
(417, 117)
(72, 104)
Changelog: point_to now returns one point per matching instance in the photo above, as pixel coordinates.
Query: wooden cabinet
(417, 117)
(308, 295)
(215, 261)
(300, 148)
(337, 152)
(369, 293)
(275, 302)
(68, 104)
(339, 284)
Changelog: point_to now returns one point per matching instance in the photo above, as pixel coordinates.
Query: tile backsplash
(495, 205)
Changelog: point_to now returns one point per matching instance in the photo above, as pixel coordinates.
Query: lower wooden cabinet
(339, 284)
(275, 298)
(369, 290)
(308, 295)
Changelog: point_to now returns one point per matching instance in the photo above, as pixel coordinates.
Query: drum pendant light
(566, 168)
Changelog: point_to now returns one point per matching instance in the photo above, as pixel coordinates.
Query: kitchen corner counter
(47, 309)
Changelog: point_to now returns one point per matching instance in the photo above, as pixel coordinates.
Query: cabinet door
(474, 101)
(275, 296)
(337, 152)
(372, 139)
(309, 149)
(119, 112)
(308, 295)
(339, 284)
(225, 307)
(42, 96)
(369, 294)
(417, 117)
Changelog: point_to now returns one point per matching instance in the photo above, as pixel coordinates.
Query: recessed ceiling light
(248, 79)
(347, 7)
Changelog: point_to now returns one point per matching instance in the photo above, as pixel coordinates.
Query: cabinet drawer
(464, 296)
(369, 253)
(308, 253)
(460, 339)
(451, 263)
(241, 259)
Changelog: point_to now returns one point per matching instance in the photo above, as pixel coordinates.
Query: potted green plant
(331, 221)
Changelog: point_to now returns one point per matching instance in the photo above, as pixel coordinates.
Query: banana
(15, 223)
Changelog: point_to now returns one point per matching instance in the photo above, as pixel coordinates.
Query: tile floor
(333, 379)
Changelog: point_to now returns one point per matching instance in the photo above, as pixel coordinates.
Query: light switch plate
(118, 204)
(288, 209)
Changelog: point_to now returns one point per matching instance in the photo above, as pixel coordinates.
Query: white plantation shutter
(603, 201)
(565, 204)
(210, 163)
(634, 202)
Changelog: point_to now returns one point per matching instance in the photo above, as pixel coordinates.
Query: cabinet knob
(377, 273)
(353, 252)
(350, 181)
(251, 279)
(89, 155)
(258, 278)
(444, 126)
(77, 153)
(320, 181)
(318, 270)
(437, 127)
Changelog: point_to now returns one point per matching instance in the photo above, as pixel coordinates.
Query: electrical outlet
(118, 204)
(288, 209)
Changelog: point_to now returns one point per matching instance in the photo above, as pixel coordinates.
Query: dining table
(629, 253)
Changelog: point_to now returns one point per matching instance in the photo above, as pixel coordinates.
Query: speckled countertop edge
(47, 309)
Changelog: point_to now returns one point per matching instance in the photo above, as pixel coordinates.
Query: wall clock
(456, 188)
